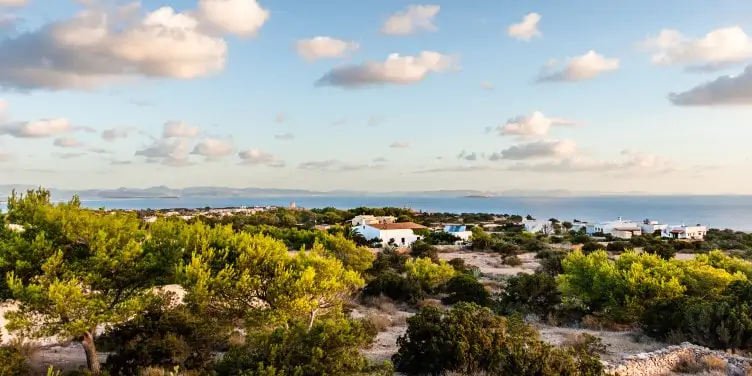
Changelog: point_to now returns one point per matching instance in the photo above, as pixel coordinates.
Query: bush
(430, 274)
(13, 363)
(618, 246)
(529, 293)
(163, 337)
(421, 249)
(581, 238)
(584, 342)
(330, 347)
(388, 260)
(470, 339)
(662, 249)
(513, 261)
(395, 287)
(465, 288)
(591, 247)
(550, 263)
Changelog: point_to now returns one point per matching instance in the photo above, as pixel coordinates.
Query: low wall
(664, 360)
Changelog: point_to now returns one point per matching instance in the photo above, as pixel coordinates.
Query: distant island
(163, 192)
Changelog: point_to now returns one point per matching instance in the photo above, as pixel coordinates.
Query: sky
(387, 95)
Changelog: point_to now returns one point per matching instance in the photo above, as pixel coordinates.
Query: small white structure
(697, 232)
(650, 227)
(579, 225)
(459, 231)
(534, 226)
(15, 228)
(618, 228)
(399, 234)
(370, 219)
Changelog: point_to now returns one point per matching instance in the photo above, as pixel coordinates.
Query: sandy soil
(490, 264)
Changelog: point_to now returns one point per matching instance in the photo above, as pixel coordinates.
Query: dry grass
(585, 342)
(26, 348)
(512, 261)
(688, 363)
(236, 339)
(382, 303)
(430, 303)
(380, 321)
(714, 363)
(595, 323)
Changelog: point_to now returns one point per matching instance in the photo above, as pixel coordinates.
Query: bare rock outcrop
(664, 361)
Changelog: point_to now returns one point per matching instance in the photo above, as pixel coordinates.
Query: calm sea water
(714, 211)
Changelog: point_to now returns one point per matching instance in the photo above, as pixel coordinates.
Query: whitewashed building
(459, 231)
(650, 227)
(361, 220)
(399, 234)
(697, 232)
(535, 226)
(618, 228)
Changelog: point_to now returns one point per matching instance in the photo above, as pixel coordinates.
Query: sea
(734, 212)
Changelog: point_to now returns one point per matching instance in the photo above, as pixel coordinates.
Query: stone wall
(662, 361)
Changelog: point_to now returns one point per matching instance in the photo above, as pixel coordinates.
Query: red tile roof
(396, 226)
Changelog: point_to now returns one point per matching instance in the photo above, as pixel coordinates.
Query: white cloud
(37, 128)
(340, 122)
(13, 3)
(113, 134)
(324, 47)
(402, 70)
(95, 48)
(280, 118)
(255, 157)
(375, 120)
(530, 126)
(538, 149)
(6, 156)
(239, 17)
(213, 148)
(487, 85)
(379, 160)
(468, 156)
(527, 29)
(285, 136)
(332, 165)
(166, 152)
(179, 129)
(68, 155)
(585, 67)
(411, 20)
(67, 142)
(400, 145)
(633, 164)
(716, 50)
(725, 90)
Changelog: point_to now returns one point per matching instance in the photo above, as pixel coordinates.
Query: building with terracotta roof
(400, 234)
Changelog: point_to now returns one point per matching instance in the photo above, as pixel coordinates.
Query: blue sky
(251, 114)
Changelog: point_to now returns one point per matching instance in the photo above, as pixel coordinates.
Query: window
(403, 240)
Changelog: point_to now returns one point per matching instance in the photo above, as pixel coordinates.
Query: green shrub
(331, 347)
(395, 287)
(163, 337)
(618, 246)
(660, 248)
(550, 263)
(529, 293)
(470, 339)
(421, 249)
(591, 247)
(465, 288)
(13, 363)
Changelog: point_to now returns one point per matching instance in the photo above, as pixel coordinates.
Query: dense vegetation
(274, 294)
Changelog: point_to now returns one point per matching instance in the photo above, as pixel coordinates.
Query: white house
(618, 228)
(370, 219)
(697, 232)
(579, 225)
(534, 226)
(650, 227)
(459, 231)
(400, 234)
(15, 228)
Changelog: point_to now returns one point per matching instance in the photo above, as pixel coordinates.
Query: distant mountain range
(167, 192)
